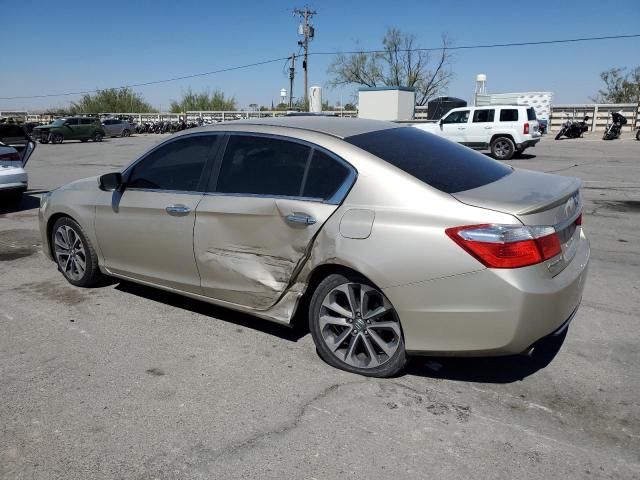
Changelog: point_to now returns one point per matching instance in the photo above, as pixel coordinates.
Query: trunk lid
(16, 137)
(535, 198)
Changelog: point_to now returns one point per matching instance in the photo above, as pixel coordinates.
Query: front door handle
(488, 128)
(461, 128)
(301, 218)
(178, 210)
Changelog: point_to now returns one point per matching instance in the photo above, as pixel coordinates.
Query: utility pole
(292, 74)
(308, 32)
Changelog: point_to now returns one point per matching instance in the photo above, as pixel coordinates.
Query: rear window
(481, 116)
(531, 114)
(440, 163)
(86, 121)
(509, 115)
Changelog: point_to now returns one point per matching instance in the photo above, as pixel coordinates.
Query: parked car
(392, 240)
(71, 128)
(114, 127)
(506, 130)
(16, 148)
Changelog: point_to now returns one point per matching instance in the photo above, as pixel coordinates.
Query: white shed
(386, 103)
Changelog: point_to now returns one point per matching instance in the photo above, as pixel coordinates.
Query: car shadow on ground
(522, 156)
(506, 369)
(291, 334)
(30, 200)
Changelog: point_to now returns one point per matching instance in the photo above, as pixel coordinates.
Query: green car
(72, 128)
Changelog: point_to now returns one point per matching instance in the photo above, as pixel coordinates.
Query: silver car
(15, 149)
(393, 241)
(114, 127)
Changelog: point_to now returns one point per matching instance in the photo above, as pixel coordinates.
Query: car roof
(341, 127)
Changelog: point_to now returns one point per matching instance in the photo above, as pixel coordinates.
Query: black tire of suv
(92, 275)
(57, 138)
(511, 148)
(392, 367)
(126, 133)
(97, 137)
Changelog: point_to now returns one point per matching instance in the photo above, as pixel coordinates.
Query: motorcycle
(573, 129)
(615, 127)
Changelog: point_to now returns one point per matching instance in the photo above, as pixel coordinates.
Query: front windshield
(59, 122)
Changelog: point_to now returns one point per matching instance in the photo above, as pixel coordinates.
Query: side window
(324, 177)
(509, 115)
(457, 117)
(175, 166)
(531, 114)
(108, 122)
(482, 116)
(262, 166)
(86, 121)
(72, 121)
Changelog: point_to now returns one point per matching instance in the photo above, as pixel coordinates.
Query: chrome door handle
(488, 128)
(461, 128)
(177, 210)
(304, 219)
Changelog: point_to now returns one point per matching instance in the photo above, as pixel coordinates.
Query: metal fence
(211, 116)
(599, 115)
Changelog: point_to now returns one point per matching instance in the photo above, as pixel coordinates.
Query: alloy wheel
(502, 149)
(359, 325)
(70, 253)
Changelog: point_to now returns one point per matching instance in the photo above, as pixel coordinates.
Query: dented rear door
(267, 201)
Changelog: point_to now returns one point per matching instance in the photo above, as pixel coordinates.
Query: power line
(155, 82)
(491, 45)
(280, 59)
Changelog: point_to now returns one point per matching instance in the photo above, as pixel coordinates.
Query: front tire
(75, 256)
(56, 138)
(502, 148)
(559, 135)
(355, 327)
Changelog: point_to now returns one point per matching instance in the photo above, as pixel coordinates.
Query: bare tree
(400, 63)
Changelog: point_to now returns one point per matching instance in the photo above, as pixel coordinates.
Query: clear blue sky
(52, 47)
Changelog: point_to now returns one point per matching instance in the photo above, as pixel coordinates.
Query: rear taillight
(526, 128)
(507, 246)
(579, 220)
(11, 156)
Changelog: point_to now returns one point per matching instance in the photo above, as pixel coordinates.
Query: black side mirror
(110, 182)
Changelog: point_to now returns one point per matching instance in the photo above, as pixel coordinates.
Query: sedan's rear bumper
(490, 311)
(13, 179)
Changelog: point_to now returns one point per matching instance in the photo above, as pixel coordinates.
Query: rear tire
(57, 138)
(502, 148)
(75, 256)
(355, 327)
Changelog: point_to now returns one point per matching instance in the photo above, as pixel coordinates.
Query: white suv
(506, 130)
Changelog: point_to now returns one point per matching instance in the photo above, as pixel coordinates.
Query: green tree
(110, 101)
(400, 63)
(620, 86)
(203, 101)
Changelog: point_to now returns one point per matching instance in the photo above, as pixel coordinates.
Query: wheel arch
(317, 275)
(495, 136)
